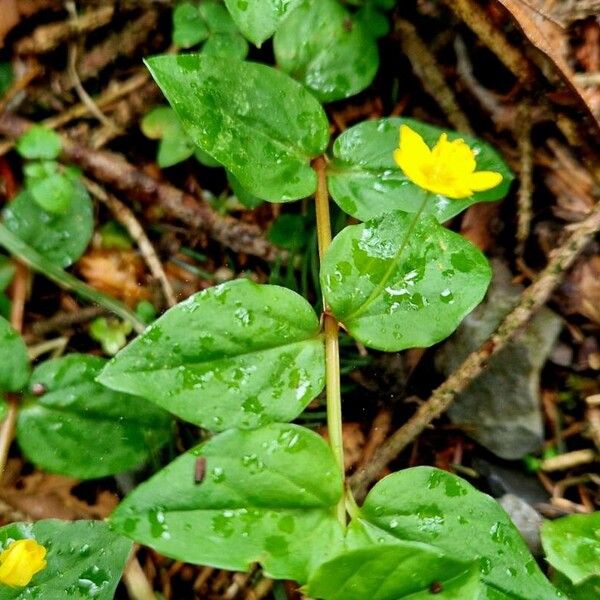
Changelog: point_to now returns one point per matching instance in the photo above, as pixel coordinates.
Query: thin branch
(440, 400)
(113, 170)
(126, 217)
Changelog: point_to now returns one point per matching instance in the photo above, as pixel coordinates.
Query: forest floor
(524, 76)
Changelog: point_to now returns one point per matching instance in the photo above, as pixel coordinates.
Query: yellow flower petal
(484, 180)
(448, 169)
(455, 156)
(20, 561)
(413, 145)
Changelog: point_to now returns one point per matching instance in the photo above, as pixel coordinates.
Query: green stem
(21, 250)
(331, 330)
(390, 270)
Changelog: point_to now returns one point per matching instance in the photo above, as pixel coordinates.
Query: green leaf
(391, 572)
(61, 238)
(208, 22)
(228, 45)
(14, 361)
(322, 45)
(53, 194)
(572, 545)
(85, 560)
(589, 589)
(204, 158)
(243, 195)
(395, 283)
(266, 495)
(433, 507)
(189, 28)
(290, 232)
(258, 21)
(161, 123)
(256, 121)
(376, 23)
(235, 355)
(39, 142)
(365, 181)
(77, 427)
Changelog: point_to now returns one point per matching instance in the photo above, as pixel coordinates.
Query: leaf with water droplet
(256, 121)
(268, 497)
(397, 283)
(572, 546)
(395, 571)
(365, 181)
(258, 21)
(322, 45)
(60, 237)
(80, 428)
(14, 361)
(235, 355)
(85, 559)
(425, 505)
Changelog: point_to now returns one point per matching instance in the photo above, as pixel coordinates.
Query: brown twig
(524, 213)
(568, 460)
(427, 70)
(113, 170)
(440, 400)
(479, 21)
(49, 36)
(126, 217)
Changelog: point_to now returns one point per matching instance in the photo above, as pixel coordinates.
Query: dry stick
(113, 170)
(126, 217)
(47, 37)
(525, 177)
(63, 320)
(440, 400)
(427, 70)
(478, 20)
(114, 92)
(136, 582)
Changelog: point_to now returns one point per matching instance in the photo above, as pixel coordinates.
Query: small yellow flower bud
(20, 561)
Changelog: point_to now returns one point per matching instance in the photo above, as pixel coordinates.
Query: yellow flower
(448, 168)
(20, 561)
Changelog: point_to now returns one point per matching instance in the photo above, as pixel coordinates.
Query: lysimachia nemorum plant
(242, 360)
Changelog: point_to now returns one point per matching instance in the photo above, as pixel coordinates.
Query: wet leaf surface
(267, 495)
(572, 546)
(80, 428)
(437, 508)
(60, 237)
(236, 355)
(259, 123)
(392, 572)
(259, 20)
(395, 285)
(322, 45)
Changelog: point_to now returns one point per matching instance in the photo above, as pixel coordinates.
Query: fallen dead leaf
(43, 496)
(118, 273)
(550, 39)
